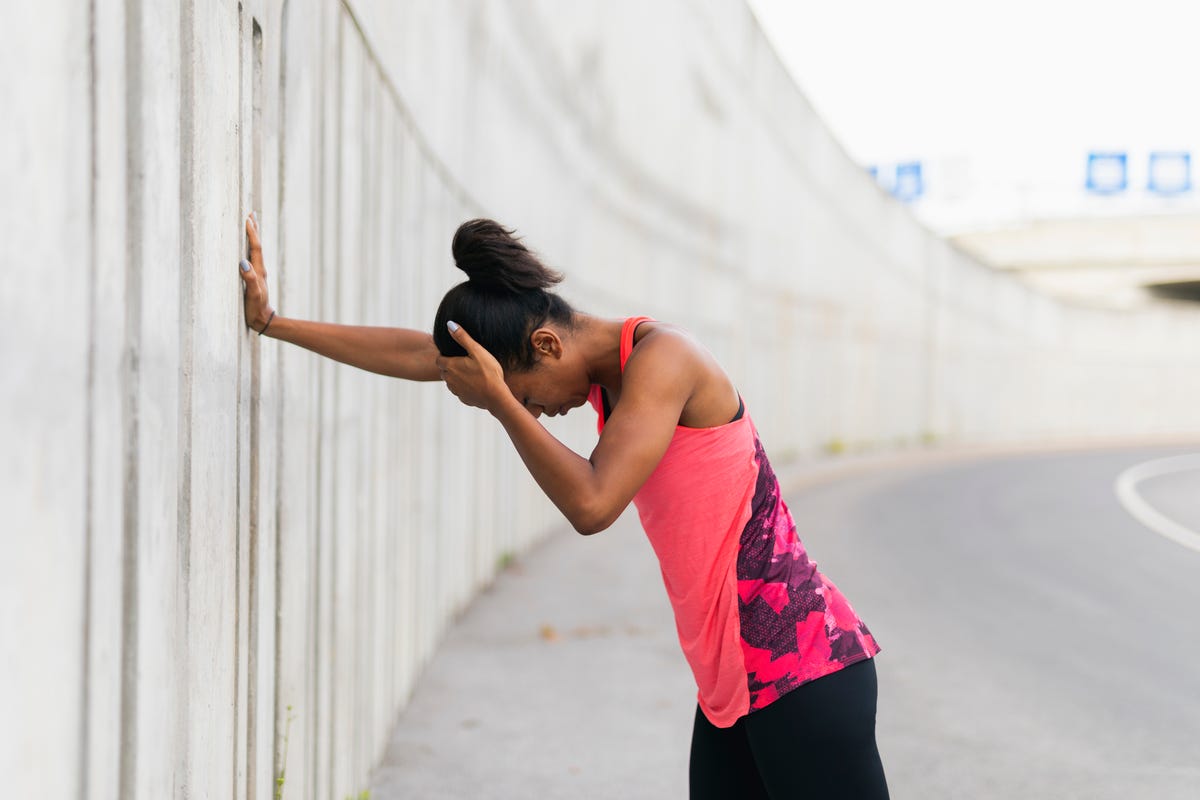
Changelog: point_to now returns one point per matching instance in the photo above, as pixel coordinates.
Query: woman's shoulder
(666, 347)
(663, 350)
(665, 339)
(654, 340)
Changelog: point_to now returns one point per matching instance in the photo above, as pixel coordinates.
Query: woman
(786, 684)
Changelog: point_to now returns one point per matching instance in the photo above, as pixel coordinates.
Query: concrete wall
(223, 556)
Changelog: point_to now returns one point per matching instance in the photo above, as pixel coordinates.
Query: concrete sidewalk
(564, 679)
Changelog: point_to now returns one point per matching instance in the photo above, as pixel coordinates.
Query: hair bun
(493, 258)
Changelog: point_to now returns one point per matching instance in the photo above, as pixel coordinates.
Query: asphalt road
(1038, 642)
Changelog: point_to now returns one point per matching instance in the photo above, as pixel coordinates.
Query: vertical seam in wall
(320, 87)
(256, 46)
(127, 769)
(237, 415)
(397, 415)
(277, 764)
(89, 445)
(362, 490)
(376, 562)
(187, 313)
(337, 305)
(378, 398)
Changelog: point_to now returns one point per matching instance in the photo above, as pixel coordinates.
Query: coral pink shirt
(755, 617)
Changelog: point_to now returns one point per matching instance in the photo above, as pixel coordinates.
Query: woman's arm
(396, 352)
(590, 492)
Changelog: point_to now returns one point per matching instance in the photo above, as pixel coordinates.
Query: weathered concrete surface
(1036, 643)
(205, 529)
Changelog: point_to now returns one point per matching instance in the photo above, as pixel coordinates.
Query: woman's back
(755, 617)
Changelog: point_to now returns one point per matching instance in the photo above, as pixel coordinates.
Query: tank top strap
(627, 331)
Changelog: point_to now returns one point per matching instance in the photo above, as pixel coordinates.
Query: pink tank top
(755, 617)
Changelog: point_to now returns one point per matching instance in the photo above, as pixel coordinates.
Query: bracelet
(264, 330)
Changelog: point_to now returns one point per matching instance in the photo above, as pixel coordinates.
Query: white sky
(935, 78)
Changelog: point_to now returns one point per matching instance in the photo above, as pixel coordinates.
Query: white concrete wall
(209, 534)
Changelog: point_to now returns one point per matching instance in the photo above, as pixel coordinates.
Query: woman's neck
(599, 343)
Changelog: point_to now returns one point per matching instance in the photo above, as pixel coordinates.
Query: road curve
(1038, 640)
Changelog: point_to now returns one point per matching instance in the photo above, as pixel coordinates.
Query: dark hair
(504, 299)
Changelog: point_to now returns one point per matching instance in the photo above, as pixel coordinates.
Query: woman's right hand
(477, 379)
(256, 304)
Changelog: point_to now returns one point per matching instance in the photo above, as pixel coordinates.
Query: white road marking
(1143, 512)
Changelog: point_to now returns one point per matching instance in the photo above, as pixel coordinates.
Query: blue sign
(909, 183)
(1170, 172)
(1107, 173)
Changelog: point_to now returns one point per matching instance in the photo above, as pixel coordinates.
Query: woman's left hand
(256, 305)
(477, 379)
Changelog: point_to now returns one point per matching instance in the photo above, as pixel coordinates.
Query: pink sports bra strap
(627, 331)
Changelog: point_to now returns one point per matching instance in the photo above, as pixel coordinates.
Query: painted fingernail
(452, 325)
(245, 265)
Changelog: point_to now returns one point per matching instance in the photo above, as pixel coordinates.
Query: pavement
(1037, 640)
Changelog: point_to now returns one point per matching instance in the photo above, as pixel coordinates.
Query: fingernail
(245, 265)
(253, 217)
(452, 325)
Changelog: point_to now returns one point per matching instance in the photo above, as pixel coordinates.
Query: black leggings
(816, 741)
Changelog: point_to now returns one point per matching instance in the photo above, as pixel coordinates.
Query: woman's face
(557, 383)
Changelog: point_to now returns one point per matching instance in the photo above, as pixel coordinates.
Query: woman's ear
(546, 343)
